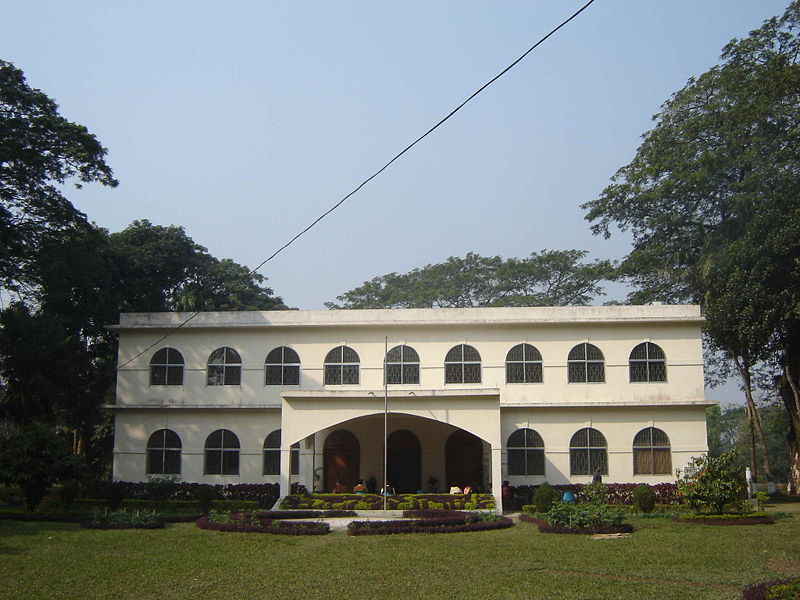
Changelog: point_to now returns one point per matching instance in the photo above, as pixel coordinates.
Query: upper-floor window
(462, 365)
(651, 453)
(282, 367)
(588, 450)
(524, 364)
(224, 367)
(341, 366)
(402, 365)
(585, 364)
(164, 453)
(272, 455)
(647, 363)
(525, 453)
(166, 367)
(221, 453)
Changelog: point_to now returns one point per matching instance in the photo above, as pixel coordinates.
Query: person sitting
(338, 488)
(467, 489)
(455, 490)
(360, 488)
(388, 490)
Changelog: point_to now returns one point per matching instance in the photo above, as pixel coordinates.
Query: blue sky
(242, 121)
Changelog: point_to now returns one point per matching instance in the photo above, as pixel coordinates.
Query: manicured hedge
(184, 506)
(267, 526)
(618, 493)
(396, 502)
(776, 589)
(449, 524)
(149, 525)
(304, 514)
(732, 519)
(624, 528)
(266, 494)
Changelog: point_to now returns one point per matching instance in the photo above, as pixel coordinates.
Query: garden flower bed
(256, 523)
(544, 527)
(396, 502)
(777, 589)
(450, 523)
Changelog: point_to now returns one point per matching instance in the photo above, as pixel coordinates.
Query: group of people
(360, 488)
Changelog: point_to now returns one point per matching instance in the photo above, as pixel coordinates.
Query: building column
(307, 463)
(497, 476)
(286, 468)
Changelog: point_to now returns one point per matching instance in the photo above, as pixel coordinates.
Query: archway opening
(404, 462)
(463, 460)
(341, 458)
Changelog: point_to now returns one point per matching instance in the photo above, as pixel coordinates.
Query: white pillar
(497, 476)
(307, 463)
(286, 469)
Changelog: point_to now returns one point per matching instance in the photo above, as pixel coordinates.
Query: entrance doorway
(341, 459)
(463, 460)
(404, 462)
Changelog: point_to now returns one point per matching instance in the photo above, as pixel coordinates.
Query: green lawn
(661, 560)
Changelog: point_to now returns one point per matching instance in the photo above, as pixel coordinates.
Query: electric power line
(371, 177)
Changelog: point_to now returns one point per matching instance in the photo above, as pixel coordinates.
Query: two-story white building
(472, 396)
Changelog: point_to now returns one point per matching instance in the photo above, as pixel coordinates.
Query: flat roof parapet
(647, 313)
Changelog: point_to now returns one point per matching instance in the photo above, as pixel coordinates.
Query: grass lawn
(660, 560)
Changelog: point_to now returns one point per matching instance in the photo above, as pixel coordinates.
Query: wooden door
(341, 459)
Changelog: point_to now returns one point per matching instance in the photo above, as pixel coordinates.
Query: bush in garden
(544, 497)
(584, 516)
(205, 494)
(139, 519)
(69, 492)
(594, 493)
(644, 498)
(716, 482)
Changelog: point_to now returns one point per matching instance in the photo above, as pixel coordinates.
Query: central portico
(451, 435)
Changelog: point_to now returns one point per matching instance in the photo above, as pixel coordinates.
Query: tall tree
(549, 278)
(39, 151)
(712, 199)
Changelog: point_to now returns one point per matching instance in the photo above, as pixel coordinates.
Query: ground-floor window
(164, 453)
(588, 450)
(272, 455)
(221, 453)
(525, 453)
(651, 453)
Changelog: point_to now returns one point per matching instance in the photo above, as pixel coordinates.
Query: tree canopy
(39, 151)
(548, 278)
(712, 199)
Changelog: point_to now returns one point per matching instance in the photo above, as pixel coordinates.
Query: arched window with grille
(402, 365)
(221, 453)
(341, 366)
(587, 451)
(166, 367)
(462, 364)
(224, 367)
(272, 455)
(282, 367)
(525, 453)
(651, 453)
(164, 453)
(647, 363)
(524, 364)
(585, 364)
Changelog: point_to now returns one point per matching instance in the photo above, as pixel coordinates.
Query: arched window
(221, 453)
(647, 363)
(587, 451)
(525, 453)
(524, 364)
(164, 453)
(282, 367)
(585, 364)
(402, 365)
(224, 367)
(651, 453)
(462, 365)
(272, 455)
(341, 366)
(166, 367)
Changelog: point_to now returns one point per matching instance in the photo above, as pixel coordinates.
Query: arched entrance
(341, 459)
(404, 462)
(463, 460)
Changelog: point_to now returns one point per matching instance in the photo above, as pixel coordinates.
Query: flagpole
(385, 421)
